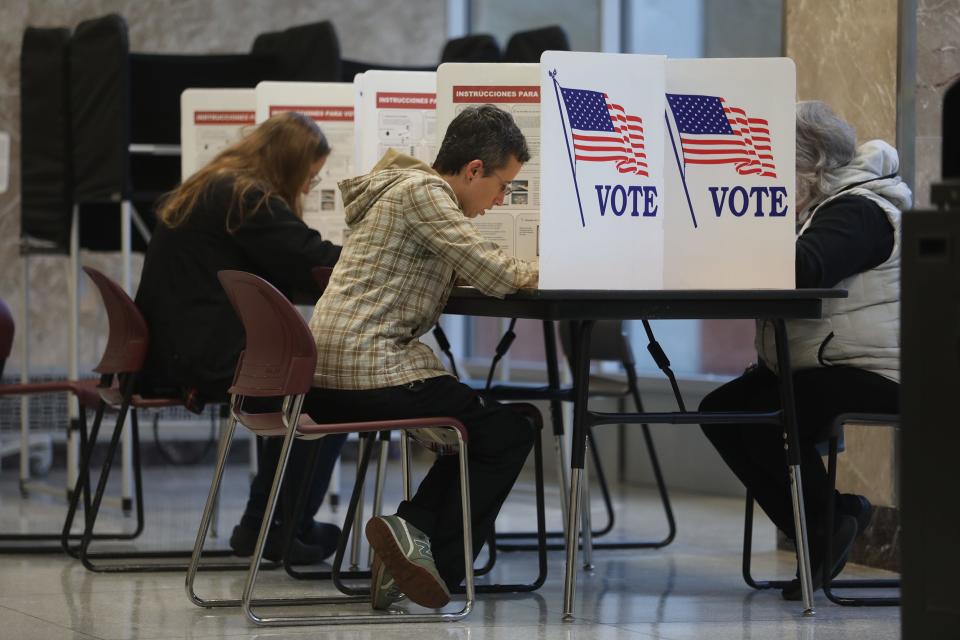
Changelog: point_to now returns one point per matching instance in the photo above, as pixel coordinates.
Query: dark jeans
(269, 457)
(499, 441)
(755, 453)
(328, 449)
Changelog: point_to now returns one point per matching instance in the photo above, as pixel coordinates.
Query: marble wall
(938, 66)
(386, 31)
(846, 55)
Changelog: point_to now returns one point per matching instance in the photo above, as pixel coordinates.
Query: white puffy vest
(861, 330)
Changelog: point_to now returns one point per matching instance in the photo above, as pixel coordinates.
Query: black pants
(327, 451)
(269, 457)
(499, 441)
(755, 453)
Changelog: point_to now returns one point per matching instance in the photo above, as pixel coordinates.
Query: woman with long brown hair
(241, 211)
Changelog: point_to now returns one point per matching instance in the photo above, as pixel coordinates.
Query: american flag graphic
(712, 132)
(604, 131)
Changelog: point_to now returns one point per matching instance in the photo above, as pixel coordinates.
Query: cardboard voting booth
(331, 106)
(730, 174)
(514, 88)
(396, 110)
(601, 188)
(210, 121)
(667, 174)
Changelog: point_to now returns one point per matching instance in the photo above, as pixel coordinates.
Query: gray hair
(825, 143)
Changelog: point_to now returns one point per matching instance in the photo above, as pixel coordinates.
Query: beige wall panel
(846, 55)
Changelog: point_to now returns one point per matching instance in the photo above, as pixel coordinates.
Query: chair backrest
(472, 48)
(527, 46)
(280, 355)
(6, 334)
(129, 337)
(308, 52)
(608, 342)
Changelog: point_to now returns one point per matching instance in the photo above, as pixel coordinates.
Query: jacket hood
(875, 159)
(361, 192)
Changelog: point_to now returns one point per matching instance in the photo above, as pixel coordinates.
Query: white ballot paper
(730, 149)
(515, 88)
(602, 129)
(331, 106)
(210, 121)
(398, 110)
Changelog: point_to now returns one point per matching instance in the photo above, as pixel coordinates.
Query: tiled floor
(691, 589)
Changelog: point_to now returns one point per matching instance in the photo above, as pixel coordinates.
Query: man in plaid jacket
(410, 238)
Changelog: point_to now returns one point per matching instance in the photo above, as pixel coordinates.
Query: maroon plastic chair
(279, 361)
(119, 366)
(85, 393)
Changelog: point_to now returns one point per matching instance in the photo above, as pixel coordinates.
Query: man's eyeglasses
(506, 187)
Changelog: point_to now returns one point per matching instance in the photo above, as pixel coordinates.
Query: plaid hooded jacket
(408, 239)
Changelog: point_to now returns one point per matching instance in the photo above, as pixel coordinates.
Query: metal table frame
(586, 307)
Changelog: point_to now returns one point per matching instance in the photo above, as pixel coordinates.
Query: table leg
(586, 522)
(581, 371)
(556, 411)
(788, 407)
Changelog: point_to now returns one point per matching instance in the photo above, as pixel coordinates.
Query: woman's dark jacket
(195, 335)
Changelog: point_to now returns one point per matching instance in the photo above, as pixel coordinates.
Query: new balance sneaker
(405, 552)
(383, 588)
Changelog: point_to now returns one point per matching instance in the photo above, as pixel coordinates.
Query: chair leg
(89, 559)
(83, 475)
(829, 583)
(82, 486)
(748, 552)
(381, 618)
(290, 517)
(223, 450)
(381, 479)
(104, 476)
(358, 519)
(541, 547)
(344, 535)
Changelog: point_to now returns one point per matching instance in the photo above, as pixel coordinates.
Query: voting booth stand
(666, 174)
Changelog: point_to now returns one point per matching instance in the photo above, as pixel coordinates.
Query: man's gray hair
(825, 143)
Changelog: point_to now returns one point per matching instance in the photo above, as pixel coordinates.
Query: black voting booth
(46, 164)
(125, 110)
(101, 124)
(930, 337)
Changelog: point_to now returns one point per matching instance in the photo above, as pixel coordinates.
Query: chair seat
(433, 433)
(114, 399)
(84, 390)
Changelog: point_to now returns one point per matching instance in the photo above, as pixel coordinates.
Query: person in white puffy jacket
(849, 202)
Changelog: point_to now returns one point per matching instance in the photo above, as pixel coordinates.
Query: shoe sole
(415, 581)
(376, 577)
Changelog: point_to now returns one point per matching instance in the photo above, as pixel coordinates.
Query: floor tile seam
(52, 623)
